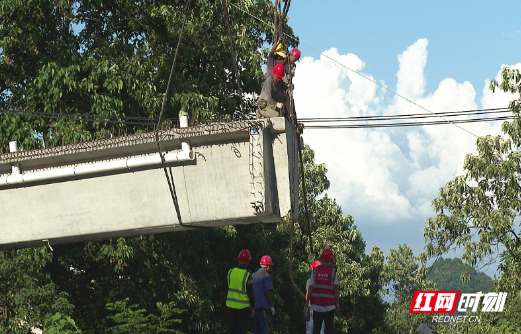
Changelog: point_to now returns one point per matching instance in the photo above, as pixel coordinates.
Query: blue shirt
(261, 283)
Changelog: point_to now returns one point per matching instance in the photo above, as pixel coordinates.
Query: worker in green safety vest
(240, 299)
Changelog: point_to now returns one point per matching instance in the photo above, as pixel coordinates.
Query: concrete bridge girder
(241, 175)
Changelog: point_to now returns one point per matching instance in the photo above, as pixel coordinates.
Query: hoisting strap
(170, 180)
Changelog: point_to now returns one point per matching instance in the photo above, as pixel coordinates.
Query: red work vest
(323, 290)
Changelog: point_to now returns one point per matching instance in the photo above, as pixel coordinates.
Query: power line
(406, 116)
(363, 76)
(405, 124)
(310, 123)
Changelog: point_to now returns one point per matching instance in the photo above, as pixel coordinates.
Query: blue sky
(438, 54)
(468, 40)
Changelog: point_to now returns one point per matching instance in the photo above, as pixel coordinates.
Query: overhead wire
(498, 114)
(407, 116)
(391, 125)
(310, 122)
(354, 71)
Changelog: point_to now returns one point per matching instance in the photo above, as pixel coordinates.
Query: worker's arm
(251, 295)
(272, 52)
(269, 297)
(308, 295)
(337, 297)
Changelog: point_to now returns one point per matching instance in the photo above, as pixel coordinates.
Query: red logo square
(434, 302)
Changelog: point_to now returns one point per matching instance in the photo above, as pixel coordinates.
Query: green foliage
(114, 59)
(404, 274)
(63, 324)
(131, 320)
(27, 290)
(446, 273)
(360, 274)
(479, 212)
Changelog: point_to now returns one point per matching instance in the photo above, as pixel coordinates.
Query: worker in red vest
(309, 323)
(324, 293)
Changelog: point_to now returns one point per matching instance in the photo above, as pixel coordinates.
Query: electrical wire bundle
(387, 121)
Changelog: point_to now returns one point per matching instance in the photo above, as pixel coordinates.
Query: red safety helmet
(327, 255)
(244, 256)
(296, 53)
(314, 264)
(279, 71)
(266, 261)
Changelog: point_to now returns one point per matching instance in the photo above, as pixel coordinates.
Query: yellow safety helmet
(280, 50)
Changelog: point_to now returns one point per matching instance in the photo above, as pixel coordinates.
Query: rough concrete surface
(213, 190)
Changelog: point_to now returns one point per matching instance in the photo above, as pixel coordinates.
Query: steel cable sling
(170, 179)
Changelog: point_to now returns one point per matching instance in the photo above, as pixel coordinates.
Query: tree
(28, 292)
(113, 59)
(360, 274)
(404, 274)
(131, 320)
(446, 274)
(479, 211)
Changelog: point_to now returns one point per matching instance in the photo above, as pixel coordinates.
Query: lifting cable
(170, 179)
(226, 15)
(296, 136)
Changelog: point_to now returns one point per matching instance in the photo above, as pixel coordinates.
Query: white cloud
(388, 177)
(411, 77)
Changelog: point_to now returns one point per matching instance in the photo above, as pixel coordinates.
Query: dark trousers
(327, 317)
(261, 320)
(238, 320)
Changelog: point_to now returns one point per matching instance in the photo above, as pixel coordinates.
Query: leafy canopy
(114, 58)
(480, 211)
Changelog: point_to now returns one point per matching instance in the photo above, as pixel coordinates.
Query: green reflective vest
(237, 296)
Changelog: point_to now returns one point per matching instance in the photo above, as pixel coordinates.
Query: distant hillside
(446, 274)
